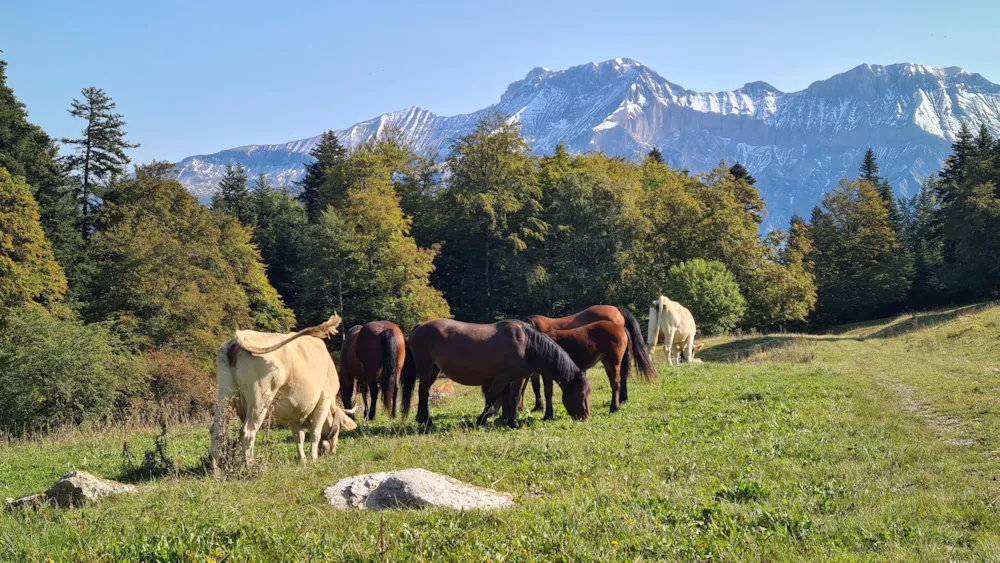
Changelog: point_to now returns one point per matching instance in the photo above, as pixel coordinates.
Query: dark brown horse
(496, 357)
(619, 316)
(369, 351)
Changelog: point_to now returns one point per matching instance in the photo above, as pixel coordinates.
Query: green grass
(876, 441)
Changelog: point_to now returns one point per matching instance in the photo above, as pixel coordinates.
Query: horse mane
(543, 352)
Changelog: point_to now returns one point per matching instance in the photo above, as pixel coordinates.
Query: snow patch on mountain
(797, 144)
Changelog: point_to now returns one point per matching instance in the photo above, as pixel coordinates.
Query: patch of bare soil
(950, 429)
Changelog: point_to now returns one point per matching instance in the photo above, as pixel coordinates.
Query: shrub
(55, 371)
(176, 385)
(710, 291)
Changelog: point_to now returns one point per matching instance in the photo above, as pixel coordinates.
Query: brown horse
(619, 316)
(496, 357)
(368, 351)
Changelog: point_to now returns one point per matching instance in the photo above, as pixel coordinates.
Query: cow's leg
(299, 432)
(611, 367)
(316, 422)
(335, 438)
(256, 415)
(549, 414)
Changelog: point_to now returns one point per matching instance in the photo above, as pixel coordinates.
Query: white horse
(676, 324)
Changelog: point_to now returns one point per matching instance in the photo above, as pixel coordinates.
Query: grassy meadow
(874, 441)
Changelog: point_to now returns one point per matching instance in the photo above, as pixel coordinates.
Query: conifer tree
(28, 269)
(741, 173)
(859, 265)
(925, 245)
(327, 155)
(868, 170)
(233, 196)
(100, 151)
(279, 227)
(655, 155)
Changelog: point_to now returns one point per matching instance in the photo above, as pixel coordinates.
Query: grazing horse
(370, 351)
(619, 316)
(496, 357)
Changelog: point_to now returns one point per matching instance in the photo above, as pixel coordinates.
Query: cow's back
(292, 379)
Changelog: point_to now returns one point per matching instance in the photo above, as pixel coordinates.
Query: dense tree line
(154, 280)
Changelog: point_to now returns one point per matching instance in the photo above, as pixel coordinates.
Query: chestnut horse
(369, 351)
(496, 357)
(619, 316)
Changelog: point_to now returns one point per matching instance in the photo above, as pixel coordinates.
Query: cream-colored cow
(676, 324)
(289, 376)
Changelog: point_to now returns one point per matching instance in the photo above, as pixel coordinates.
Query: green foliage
(969, 217)
(859, 264)
(488, 215)
(740, 172)
(54, 371)
(360, 261)
(25, 150)
(327, 155)
(28, 269)
(233, 197)
(656, 156)
(100, 152)
(710, 292)
(174, 273)
(279, 227)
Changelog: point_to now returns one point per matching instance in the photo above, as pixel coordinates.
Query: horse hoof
(538, 408)
(514, 424)
(548, 416)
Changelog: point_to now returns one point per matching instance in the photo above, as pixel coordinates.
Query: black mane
(547, 356)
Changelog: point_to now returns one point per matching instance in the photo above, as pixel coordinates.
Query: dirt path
(949, 429)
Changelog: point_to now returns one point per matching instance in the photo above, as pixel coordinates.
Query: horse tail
(409, 379)
(389, 355)
(638, 351)
(548, 357)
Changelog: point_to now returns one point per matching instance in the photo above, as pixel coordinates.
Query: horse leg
(549, 415)
(668, 345)
(373, 385)
(493, 393)
(614, 378)
(491, 409)
(536, 386)
(363, 388)
(510, 398)
(426, 377)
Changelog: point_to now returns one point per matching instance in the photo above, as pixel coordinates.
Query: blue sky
(198, 77)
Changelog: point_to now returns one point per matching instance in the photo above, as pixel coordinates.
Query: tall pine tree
(233, 196)
(327, 155)
(100, 156)
(655, 155)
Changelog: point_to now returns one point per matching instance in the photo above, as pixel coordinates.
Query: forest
(118, 280)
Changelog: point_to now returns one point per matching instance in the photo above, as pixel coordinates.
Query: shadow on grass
(766, 347)
(915, 322)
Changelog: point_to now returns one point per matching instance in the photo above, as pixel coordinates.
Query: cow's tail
(325, 330)
(409, 379)
(639, 352)
(390, 351)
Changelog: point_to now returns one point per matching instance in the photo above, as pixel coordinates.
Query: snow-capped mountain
(797, 144)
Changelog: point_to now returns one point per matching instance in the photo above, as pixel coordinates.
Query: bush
(710, 291)
(176, 385)
(55, 371)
